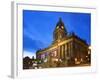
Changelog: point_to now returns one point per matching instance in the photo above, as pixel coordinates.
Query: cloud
(32, 45)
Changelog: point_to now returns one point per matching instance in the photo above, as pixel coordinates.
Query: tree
(27, 62)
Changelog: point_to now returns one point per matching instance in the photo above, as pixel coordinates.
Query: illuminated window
(86, 56)
(75, 59)
(42, 56)
(55, 53)
(52, 54)
(81, 60)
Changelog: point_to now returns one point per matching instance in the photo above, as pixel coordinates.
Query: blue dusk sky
(38, 27)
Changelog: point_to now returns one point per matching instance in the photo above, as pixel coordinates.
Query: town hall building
(67, 49)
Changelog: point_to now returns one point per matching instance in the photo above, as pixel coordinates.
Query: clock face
(62, 27)
(57, 27)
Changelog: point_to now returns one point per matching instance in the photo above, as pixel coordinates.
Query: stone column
(62, 52)
(58, 52)
(65, 61)
(65, 51)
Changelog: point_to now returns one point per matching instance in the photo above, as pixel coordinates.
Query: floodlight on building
(81, 60)
(86, 56)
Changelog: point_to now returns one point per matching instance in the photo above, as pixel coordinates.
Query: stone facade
(65, 50)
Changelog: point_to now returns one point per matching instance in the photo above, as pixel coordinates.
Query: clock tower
(60, 32)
